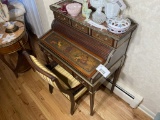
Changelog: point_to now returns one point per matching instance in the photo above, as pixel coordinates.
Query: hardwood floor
(27, 98)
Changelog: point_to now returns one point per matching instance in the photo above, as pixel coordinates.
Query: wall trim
(147, 111)
(133, 103)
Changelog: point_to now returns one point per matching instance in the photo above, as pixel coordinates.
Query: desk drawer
(61, 17)
(103, 38)
(81, 81)
(80, 27)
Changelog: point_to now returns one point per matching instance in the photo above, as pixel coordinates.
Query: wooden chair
(58, 78)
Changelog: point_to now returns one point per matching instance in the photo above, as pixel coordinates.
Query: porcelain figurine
(85, 10)
(98, 16)
(112, 9)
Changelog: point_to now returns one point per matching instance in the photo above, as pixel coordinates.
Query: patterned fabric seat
(58, 78)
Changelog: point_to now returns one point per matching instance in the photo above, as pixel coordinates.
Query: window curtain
(32, 17)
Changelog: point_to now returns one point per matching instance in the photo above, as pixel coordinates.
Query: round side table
(15, 45)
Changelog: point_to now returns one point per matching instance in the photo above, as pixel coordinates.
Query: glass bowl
(74, 8)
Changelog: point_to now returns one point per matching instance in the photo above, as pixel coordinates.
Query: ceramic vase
(112, 9)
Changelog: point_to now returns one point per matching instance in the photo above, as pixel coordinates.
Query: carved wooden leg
(50, 88)
(116, 76)
(92, 103)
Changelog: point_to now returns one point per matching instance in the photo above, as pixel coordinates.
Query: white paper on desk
(8, 38)
(103, 70)
(1, 35)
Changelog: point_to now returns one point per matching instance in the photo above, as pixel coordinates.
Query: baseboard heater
(129, 96)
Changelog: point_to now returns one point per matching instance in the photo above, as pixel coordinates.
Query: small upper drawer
(81, 80)
(61, 17)
(103, 38)
(80, 27)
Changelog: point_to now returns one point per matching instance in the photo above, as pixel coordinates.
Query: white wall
(39, 15)
(42, 14)
(45, 13)
(141, 70)
(32, 16)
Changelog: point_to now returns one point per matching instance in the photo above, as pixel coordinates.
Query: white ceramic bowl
(118, 25)
(74, 9)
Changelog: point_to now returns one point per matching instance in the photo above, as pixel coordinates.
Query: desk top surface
(17, 35)
(73, 54)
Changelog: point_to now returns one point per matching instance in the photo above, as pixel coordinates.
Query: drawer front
(103, 38)
(61, 17)
(80, 27)
(81, 81)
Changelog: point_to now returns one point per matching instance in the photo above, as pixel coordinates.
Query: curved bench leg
(50, 88)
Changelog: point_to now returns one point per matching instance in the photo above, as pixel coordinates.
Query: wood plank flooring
(28, 98)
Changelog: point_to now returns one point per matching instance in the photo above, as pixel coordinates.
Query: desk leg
(92, 103)
(9, 65)
(116, 76)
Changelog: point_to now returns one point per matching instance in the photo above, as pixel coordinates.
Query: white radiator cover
(129, 96)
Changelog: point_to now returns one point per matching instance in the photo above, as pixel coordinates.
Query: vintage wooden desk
(80, 48)
(15, 45)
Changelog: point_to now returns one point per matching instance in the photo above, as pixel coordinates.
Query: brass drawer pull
(106, 39)
(79, 27)
(82, 82)
(97, 35)
(76, 25)
(76, 77)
